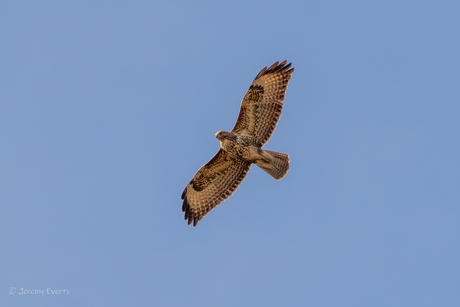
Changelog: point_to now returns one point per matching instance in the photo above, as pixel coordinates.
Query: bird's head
(220, 135)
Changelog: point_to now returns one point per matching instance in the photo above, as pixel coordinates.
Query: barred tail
(277, 164)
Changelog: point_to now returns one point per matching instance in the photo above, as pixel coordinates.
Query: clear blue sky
(108, 108)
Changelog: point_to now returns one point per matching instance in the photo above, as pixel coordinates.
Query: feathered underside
(259, 113)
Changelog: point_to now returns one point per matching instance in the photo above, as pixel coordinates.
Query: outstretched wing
(261, 106)
(213, 183)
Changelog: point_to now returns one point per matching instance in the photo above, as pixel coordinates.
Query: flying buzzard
(259, 113)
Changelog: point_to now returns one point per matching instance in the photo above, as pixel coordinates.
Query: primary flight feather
(259, 113)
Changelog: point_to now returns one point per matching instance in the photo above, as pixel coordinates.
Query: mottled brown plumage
(259, 113)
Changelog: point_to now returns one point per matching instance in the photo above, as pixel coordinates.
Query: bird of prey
(259, 113)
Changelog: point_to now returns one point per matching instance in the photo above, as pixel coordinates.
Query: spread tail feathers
(277, 164)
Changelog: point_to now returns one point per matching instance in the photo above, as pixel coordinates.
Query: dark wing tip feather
(276, 64)
(186, 209)
(261, 73)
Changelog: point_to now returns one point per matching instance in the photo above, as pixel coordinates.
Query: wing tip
(188, 216)
(282, 67)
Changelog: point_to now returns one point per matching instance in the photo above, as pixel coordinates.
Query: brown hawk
(259, 113)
